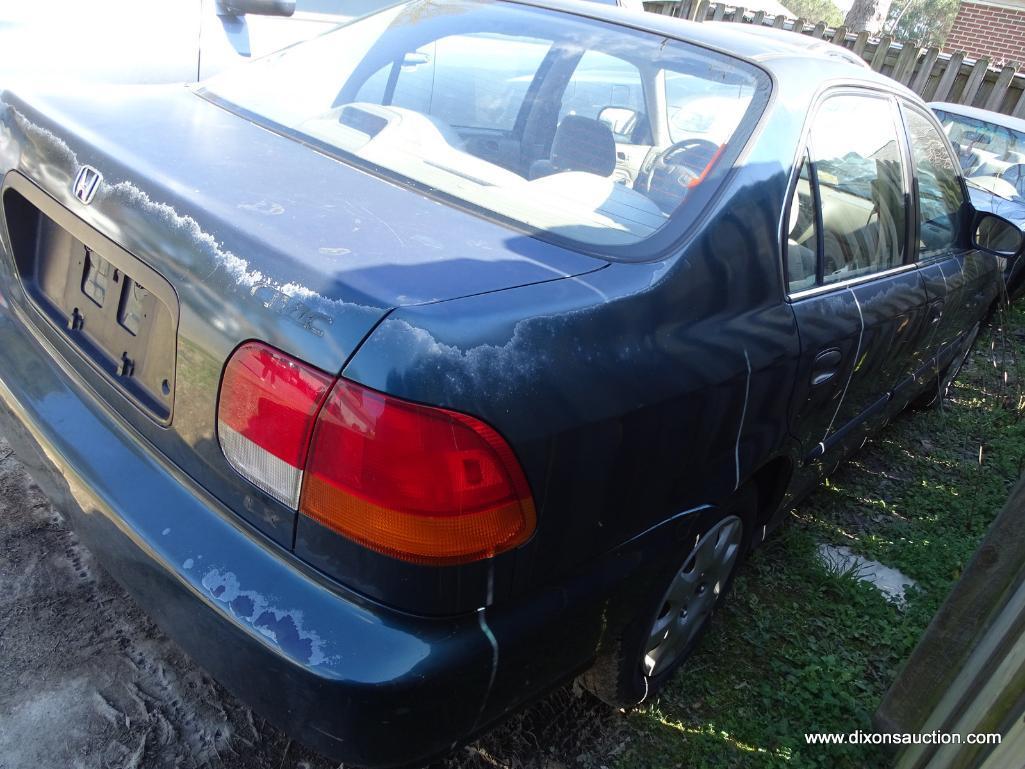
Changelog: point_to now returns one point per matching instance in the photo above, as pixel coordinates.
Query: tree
(816, 11)
(923, 22)
(867, 15)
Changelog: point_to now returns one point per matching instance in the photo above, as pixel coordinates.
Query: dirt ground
(87, 681)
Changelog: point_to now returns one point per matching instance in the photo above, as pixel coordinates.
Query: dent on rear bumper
(356, 681)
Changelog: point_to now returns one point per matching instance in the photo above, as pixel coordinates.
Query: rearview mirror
(621, 120)
(997, 235)
(256, 7)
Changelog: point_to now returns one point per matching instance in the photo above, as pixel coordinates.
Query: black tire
(620, 675)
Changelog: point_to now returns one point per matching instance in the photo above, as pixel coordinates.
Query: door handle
(825, 366)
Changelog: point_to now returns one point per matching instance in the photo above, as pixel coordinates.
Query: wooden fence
(935, 76)
(967, 673)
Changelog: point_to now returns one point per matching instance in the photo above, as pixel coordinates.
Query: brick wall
(996, 31)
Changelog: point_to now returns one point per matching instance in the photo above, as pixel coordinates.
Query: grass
(799, 648)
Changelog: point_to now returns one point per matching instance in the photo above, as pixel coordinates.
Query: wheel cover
(689, 601)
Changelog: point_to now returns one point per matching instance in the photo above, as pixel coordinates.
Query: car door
(957, 276)
(861, 305)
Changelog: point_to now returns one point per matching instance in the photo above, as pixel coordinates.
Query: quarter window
(857, 163)
(802, 233)
(940, 196)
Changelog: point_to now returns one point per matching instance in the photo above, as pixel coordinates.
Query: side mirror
(621, 120)
(414, 59)
(997, 235)
(255, 7)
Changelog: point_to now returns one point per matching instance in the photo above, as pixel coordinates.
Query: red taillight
(265, 417)
(418, 483)
(415, 482)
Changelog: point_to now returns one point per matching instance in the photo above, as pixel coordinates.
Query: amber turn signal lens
(418, 483)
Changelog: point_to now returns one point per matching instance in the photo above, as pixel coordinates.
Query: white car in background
(153, 41)
(990, 147)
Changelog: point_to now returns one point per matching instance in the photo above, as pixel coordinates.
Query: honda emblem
(86, 184)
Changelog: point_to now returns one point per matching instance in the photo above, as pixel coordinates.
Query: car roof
(761, 45)
(1014, 123)
(799, 43)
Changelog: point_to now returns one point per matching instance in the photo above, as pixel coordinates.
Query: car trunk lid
(237, 233)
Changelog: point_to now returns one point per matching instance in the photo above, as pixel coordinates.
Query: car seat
(580, 144)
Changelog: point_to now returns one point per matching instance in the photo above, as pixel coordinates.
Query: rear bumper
(358, 682)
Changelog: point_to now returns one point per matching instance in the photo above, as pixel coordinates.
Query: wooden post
(882, 49)
(996, 96)
(860, 42)
(759, 18)
(738, 13)
(975, 78)
(779, 21)
(798, 26)
(925, 66)
(949, 76)
(720, 11)
(966, 673)
(905, 63)
(840, 35)
(819, 31)
(1019, 107)
(702, 12)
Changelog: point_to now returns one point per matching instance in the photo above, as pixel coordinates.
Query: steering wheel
(665, 176)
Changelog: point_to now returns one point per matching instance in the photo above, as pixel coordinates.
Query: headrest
(584, 144)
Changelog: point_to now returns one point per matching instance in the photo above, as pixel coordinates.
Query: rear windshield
(569, 127)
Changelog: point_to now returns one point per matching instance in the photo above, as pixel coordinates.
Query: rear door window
(860, 176)
(854, 173)
(848, 217)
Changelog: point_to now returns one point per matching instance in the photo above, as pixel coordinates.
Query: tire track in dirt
(86, 679)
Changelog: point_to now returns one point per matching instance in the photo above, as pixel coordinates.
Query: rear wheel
(692, 595)
(668, 626)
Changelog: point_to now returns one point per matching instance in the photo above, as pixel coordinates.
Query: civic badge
(86, 184)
